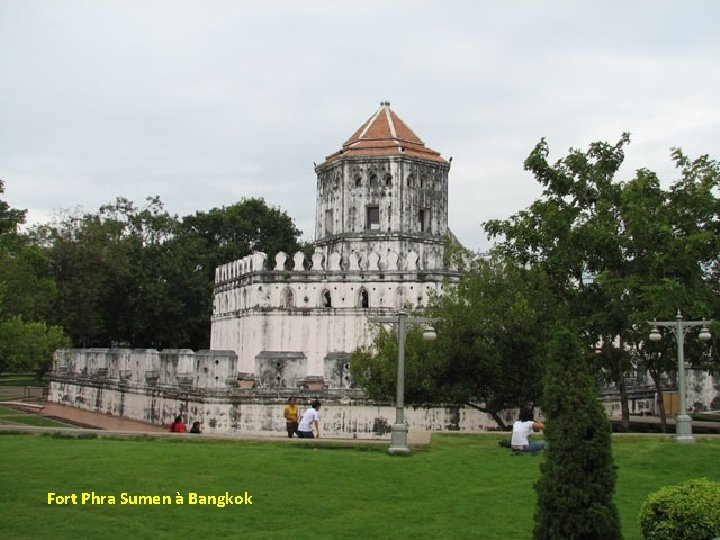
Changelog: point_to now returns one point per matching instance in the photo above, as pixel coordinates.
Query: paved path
(98, 420)
(637, 423)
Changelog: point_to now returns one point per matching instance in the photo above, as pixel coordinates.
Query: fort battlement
(173, 368)
(155, 386)
(361, 282)
(372, 261)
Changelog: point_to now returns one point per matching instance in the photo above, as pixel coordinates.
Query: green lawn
(21, 379)
(9, 415)
(465, 486)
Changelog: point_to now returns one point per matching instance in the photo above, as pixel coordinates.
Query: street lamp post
(683, 422)
(398, 436)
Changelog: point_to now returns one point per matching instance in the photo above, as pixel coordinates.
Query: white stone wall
(703, 390)
(224, 417)
(398, 185)
(314, 334)
(154, 386)
(141, 367)
(285, 310)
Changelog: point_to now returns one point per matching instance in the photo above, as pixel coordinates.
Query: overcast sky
(205, 102)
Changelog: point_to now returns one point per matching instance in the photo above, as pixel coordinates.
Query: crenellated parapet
(372, 261)
(176, 368)
(361, 281)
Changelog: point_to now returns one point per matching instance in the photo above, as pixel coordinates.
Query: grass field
(9, 415)
(21, 379)
(464, 486)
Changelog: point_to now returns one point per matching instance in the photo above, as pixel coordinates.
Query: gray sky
(206, 102)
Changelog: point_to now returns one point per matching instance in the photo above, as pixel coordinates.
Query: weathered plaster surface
(155, 386)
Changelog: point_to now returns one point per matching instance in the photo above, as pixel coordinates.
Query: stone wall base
(249, 411)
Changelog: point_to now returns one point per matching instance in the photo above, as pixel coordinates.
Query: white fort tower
(380, 226)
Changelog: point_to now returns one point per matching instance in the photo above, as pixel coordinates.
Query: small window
(388, 180)
(364, 299)
(424, 220)
(358, 182)
(328, 222)
(327, 299)
(410, 181)
(374, 181)
(288, 298)
(373, 217)
(422, 182)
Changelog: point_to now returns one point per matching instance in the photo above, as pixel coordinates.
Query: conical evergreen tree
(576, 488)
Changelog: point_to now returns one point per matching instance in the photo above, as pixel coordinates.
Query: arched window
(373, 181)
(326, 298)
(364, 299)
(358, 182)
(401, 298)
(410, 181)
(388, 180)
(288, 298)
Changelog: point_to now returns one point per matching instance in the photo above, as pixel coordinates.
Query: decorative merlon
(372, 261)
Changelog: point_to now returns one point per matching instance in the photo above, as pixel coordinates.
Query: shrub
(575, 491)
(688, 511)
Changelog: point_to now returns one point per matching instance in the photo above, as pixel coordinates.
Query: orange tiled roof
(385, 134)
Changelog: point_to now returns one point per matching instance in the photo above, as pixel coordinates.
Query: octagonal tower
(384, 191)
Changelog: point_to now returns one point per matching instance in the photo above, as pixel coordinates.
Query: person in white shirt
(309, 420)
(523, 430)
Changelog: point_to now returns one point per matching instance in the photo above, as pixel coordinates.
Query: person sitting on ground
(310, 418)
(195, 427)
(523, 430)
(177, 426)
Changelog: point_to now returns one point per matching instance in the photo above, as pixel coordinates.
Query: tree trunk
(497, 419)
(655, 374)
(616, 360)
(495, 414)
(624, 406)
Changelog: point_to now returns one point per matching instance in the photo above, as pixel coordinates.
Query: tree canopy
(491, 336)
(619, 253)
(602, 254)
(127, 275)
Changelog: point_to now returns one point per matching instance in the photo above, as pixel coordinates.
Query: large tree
(10, 219)
(25, 274)
(29, 346)
(92, 263)
(231, 232)
(141, 277)
(491, 335)
(613, 247)
(26, 292)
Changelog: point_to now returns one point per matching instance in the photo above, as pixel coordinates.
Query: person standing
(291, 417)
(310, 419)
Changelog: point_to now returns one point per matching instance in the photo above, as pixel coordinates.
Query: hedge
(688, 511)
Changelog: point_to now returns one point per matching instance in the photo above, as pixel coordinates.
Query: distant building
(380, 227)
